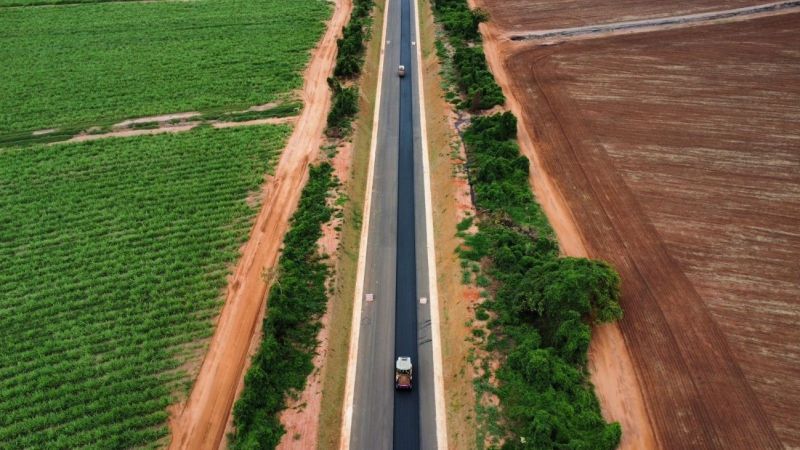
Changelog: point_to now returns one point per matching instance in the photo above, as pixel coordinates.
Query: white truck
(403, 373)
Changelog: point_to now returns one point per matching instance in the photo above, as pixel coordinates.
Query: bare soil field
(519, 15)
(677, 154)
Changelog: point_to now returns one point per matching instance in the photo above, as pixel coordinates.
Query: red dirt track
(200, 422)
(519, 15)
(677, 155)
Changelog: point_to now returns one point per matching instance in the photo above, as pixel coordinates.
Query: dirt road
(200, 422)
(553, 36)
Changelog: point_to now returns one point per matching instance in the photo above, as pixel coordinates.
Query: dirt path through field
(200, 422)
(612, 371)
(178, 129)
(640, 26)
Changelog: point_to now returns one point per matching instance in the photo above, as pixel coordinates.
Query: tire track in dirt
(200, 422)
(640, 26)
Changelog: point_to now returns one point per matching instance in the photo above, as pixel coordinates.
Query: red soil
(301, 418)
(674, 154)
(521, 15)
(200, 423)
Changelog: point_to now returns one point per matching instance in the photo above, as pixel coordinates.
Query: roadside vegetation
(539, 306)
(113, 256)
(296, 302)
(97, 64)
(475, 83)
(298, 296)
(349, 60)
(533, 325)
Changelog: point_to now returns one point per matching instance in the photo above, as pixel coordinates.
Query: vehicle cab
(403, 373)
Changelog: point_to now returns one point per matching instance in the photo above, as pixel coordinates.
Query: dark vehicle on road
(403, 373)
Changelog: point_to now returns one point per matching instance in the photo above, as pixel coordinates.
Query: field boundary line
(355, 330)
(557, 35)
(433, 287)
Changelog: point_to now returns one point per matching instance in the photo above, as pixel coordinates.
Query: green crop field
(14, 3)
(113, 258)
(97, 63)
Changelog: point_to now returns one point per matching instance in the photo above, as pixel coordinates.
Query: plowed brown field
(677, 154)
(518, 15)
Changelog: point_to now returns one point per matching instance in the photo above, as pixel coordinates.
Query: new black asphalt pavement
(396, 323)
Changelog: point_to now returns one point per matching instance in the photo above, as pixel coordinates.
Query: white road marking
(352, 364)
(438, 377)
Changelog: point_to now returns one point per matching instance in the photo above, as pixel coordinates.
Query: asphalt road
(396, 323)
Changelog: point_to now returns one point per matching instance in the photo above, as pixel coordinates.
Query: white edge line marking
(433, 294)
(352, 364)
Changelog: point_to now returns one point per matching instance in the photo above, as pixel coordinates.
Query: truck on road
(403, 373)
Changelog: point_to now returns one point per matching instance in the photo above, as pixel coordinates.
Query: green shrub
(345, 106)
(351, 45)
(474, 80)
(297, 299)
(544, 305)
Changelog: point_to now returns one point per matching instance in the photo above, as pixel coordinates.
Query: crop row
(95, 64)
(112, 259)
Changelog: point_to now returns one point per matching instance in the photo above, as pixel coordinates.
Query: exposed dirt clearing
(617, 388)
(264, 107)
(256, 122)
(160, 119)
(201, 422)
(676, 152)
(179, 129)
(130, 133)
